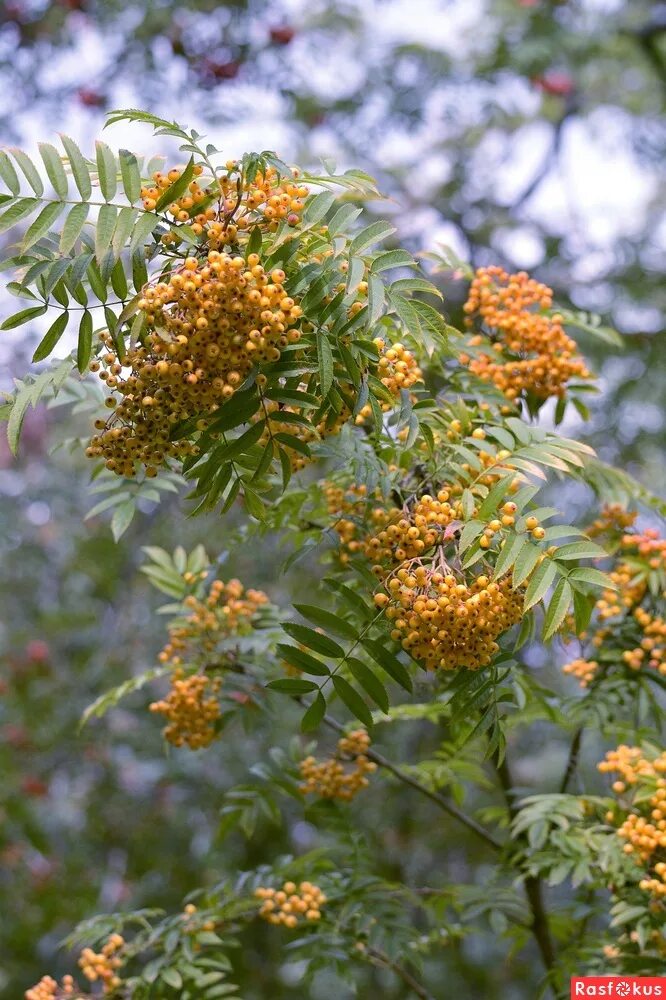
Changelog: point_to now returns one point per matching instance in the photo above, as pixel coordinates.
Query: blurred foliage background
(522, 132)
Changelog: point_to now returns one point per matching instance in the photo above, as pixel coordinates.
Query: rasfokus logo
(618, 986)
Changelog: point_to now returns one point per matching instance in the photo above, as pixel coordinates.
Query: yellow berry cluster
(291, 904)
(103, 965)
(397, 369)
(329, 779)
(229, 204)
(48, 989)
(638, 554)
(446, 622)
(417, 531)
(643, 827)
(192, 924)
(227, 610)
(530, 352)
(613, 518)
(192, 710)
(211, 321)
(354, 515)
(584, 670)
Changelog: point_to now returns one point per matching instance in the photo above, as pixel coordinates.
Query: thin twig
(572, 761)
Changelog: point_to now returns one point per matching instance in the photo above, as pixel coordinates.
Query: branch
(572, 762)
(552, 153)
(381, 958)
(436, 797)
(539, 927)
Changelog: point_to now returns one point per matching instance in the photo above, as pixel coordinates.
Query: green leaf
(352, 699)
(325, 355)
(509, 554)
(131, 177)
(78, 166)
(557, 609)
(586, 574)
(374, 233)
(299, 658)
(388, 662)
(106, 223)
(17, 212)
(84, 346)
(124, 226)
(292, 685)
(54, 169)
(142, 230)
(391, 258)
(30, 171)
(177, 189)
(316, 208)
(369, 682)
(344, 216)
(72, 227)
(42, 223)
(540, 582)
(314, 640)
(8, 173)
(581, 550)
(583, 608)
(51, 337)
(122, 515)
(15, 421)
(107, 170)
(314, 714)
(525, 563)
(172, 977)
(23, 317)
(327, 620)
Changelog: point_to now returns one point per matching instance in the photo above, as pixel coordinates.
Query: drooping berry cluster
(530, 353)
(423, 525)
(191, 709)
(103, 966)
(629, 621)
(211, 321)
(355, 517)
(284, 419)
(48, 989)
(291, 904)
(446, 622)
(229, 609)
(397, 369)
(330, 779)
(613, 519)
(640, 816)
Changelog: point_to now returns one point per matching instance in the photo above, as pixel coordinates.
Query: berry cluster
(627, 615)
(354, 516)
(530, 352)
(642, 824)
(47, 989)
(191, 709)
(229, 204)
(103, 965)
(414, 533)
(329, 779)
(229, 609)
(613, 519)
(397, 369)
(446, 622)
(291, 903)
(211, 321)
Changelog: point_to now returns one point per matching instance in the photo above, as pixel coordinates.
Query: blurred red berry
(221, 70)
(38, 651)
(282, 35)
(91, 98)
(34, 787)
(554, 82)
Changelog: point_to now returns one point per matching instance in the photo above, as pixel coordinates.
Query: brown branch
(382, 959)
(572, 761)
(540, 926)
